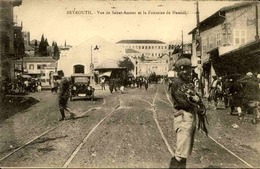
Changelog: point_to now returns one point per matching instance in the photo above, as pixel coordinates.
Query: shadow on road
(12, 105)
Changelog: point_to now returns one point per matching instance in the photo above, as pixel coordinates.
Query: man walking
(187, 104)
(64, 94)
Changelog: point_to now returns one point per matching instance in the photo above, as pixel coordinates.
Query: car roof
(81, 75)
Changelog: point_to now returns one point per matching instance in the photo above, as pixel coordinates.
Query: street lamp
(91, 62)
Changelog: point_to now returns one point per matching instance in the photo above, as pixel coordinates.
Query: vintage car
(81, 87)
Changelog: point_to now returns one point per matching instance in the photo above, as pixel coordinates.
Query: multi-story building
(8, 30)
(147, 48)
(158, 66)
(37, 67)
(29, 49)
(135, 58)
(148, 56)
(229, 41)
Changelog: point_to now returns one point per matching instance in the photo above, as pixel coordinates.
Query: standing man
(64, 94)
(102, 83)
(251, 95)
(187, 104)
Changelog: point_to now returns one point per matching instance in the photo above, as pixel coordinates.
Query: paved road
(133, 129)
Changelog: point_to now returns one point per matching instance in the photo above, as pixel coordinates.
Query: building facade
(8, 30)
(148, 56)
(228, 41)
(147, 48)
(37, 67)
(159, 66)
(87, 56)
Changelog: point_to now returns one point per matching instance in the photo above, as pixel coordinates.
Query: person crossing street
(64, 93)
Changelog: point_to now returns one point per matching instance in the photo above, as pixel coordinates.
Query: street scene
(129, 130)
(129, 84)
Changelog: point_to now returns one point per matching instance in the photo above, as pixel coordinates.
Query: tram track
(48, 131)
(170, 148)
(157, 122)
(215, 141)
(68, 161)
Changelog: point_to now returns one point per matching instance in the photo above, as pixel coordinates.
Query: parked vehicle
(81, 87)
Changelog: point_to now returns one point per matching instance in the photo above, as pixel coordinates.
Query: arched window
(31, 66)
(79, 69)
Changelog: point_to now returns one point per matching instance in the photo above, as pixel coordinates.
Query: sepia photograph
(129, 84)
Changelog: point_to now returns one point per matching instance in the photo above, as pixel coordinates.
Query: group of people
(241, 94)
(20, 85)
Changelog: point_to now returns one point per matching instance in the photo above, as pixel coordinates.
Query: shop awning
(107, 73)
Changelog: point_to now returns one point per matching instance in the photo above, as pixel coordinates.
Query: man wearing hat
(187, 104)
(64, 93)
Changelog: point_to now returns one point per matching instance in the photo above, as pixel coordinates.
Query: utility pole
(198, 47)
(256, 20)
(181, 43)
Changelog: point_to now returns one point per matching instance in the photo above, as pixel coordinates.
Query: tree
(43, 46)
(126, 62)
(56, 51)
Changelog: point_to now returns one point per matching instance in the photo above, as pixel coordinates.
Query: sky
(76, 21)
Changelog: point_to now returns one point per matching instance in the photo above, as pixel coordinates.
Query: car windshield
(81, 79)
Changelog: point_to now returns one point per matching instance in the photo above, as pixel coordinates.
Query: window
(41, 66)
(243, 36)
(31, 66)
(204, 45)
(152, 47)
(211, 42)
(218, 39)
(239, 37)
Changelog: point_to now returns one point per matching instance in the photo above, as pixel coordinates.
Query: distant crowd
(241, 94)
(20, 86)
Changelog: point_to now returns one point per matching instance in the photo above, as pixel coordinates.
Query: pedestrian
(215, 91)
(146, 83)
(235, 98)
(251, 95)
(64, 94)
(111, 84)
(102, 83)
(39, 86)
(187, 104)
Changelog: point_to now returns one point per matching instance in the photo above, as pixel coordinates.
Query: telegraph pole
(198, 47)
(181, 43)
(256, 20)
